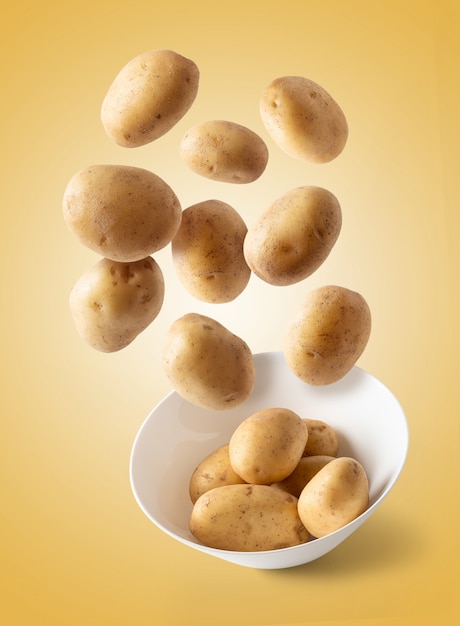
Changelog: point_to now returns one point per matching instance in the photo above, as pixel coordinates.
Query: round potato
(112, 302)
(293, 236)
(207, 364)
(148, 97)
(335, 496)
(266, 447)
(322, 439)
(247, 518)
(303, 119)
(121, 212)
(224, 151)
(327, 335)
(208, 254)
(306, 468)
(214, 471)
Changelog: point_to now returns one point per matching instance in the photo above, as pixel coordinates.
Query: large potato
(266, 447)
(307, 467)
(322, 439)
(335, 496)
(293, 236)
(327, 335)
(112, 302)
(247, 518)
(207, 364)
(121, 212)
(208, 252)
(213, 471)
(150, 94)
(224, 151)
(303, 119)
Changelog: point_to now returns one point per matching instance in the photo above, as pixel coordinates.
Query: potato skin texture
(149, 95)
(267, 445)
(208, 254)
(327, 335)
(214, 470)
(335, 496)
(207, 364)
(303, 119)
(322, 439)
(121, 212)
(307, 467)
(111, 303)
(224, 151)
(293, 237)
(247, 518)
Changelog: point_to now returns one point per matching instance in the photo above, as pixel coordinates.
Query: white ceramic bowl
(177, 435)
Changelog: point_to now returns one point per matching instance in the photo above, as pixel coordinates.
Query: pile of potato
(126, 214)
(277, 483)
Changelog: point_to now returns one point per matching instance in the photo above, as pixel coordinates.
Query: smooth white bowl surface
(178, 435)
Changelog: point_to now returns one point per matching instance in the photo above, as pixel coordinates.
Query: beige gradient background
(74, 547)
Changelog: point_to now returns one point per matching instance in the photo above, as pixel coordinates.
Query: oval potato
(208, 254)
(112, 302)
(224, 151)
(121, 212)
(327, 335)
(293, 236)
(247, 518)
(306, 468)
(266, 447)
(303, 119)
(207, 364)
(322, 439)
(149, 95)
(335, 496)
(215, 470)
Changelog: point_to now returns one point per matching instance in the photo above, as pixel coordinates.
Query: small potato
(112, 302)
(266, 447)
(293, 236)
(327, 335)
(247, 518)
(121, 212)
(322, 439)
(303, 119)
(208, 252)
(306, 468)
(224, 151)
(213, 471)
(150, 94)
(207, 364)
(335, 496)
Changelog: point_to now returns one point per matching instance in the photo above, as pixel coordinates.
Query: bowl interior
(177, 435)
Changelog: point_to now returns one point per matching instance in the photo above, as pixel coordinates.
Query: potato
(214, 471)
(293, 236)
(247, 518)
(150, 94)
(322, 439)
(208, 252)
(266, 447)
(207, 364)
(112, 302)
(327, 335)
(306, 468)
(121, 212)
(335, 496)
(224, 151)
(303, 119)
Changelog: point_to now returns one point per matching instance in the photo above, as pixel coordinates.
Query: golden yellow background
(75, 549)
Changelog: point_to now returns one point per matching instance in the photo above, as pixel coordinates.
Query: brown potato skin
(121, 212)
(322, 439)
(112, 302)
(207, 364)
(207, 251)
(215, 470)
(307, 467)
(293, 237)
(327, 335)
(149, 95)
